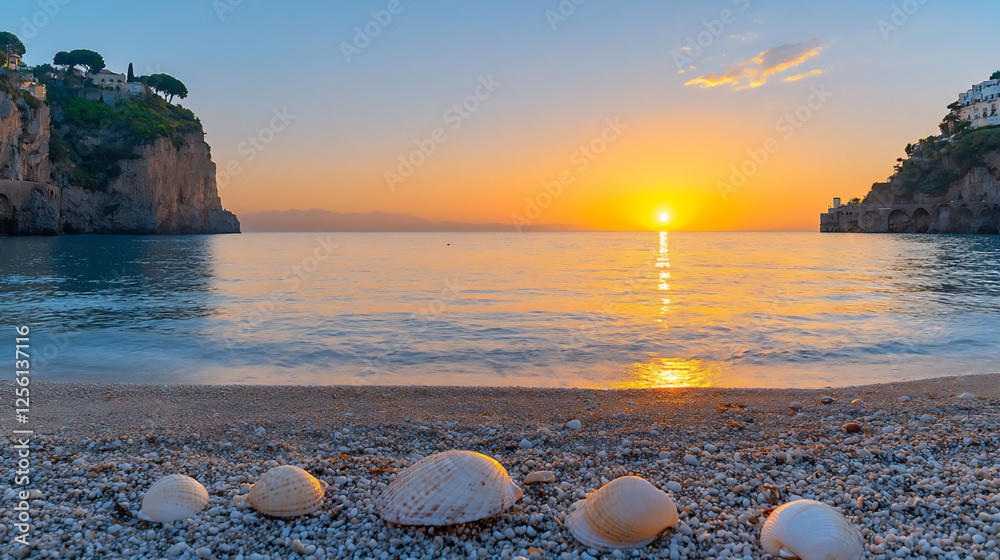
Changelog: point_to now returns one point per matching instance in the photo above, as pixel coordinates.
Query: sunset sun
(664, 217)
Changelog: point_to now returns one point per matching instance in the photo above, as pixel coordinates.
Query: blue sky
(243, 60)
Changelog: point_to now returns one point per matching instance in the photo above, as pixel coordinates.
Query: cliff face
(165, 190)
(24, 141)
(168, 186)
(969, 204)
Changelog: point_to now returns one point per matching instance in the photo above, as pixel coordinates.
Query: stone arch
(899, 221)
(921, 221)
(985, 225)
(871, 221)
(942, 217)
(8, 221)
(964, 220)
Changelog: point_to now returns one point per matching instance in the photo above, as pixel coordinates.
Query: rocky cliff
(24, 140)
(151, 185)
(948, 184)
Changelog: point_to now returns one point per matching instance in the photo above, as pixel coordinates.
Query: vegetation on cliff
(97, 126)
(90, 139)
(84, 58)
(936, 162)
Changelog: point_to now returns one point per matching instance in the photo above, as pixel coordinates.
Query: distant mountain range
(323, 220)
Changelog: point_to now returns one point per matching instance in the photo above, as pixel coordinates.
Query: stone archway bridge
(945, 217)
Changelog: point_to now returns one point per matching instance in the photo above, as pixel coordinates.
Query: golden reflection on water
(665, 372)
(663, 265)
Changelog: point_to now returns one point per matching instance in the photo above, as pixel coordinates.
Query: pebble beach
(914, 465)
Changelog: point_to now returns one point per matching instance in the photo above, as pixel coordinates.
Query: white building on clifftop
(980, 104)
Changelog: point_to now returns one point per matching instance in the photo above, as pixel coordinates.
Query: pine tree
(131, 76)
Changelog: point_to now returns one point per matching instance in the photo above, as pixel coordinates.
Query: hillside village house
(30, 84)
(106, 79)
(12, 60)
(135, 88)
(979, 105)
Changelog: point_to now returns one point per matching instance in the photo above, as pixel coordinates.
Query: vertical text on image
(22, 435)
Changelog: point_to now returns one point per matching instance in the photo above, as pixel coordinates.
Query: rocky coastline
(165, 186)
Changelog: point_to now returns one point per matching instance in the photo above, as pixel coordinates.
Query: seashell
(285, 491)
(811, 530)
(448, 488)
(539, 476)
(173, 497)
(627, 512)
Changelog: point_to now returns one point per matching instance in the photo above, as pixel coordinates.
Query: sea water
(607, 310)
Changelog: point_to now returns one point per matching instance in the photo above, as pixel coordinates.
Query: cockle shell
(448, 488)
(811, 530)
(285, 491)
(627, 512)
(173, 497)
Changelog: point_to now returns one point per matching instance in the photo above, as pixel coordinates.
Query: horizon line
(538, 231)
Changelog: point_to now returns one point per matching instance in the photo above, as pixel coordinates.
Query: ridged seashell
(811, 530)
(448, 488)
(627, 512)
(285, 491)
(173, 497)
(539, 476)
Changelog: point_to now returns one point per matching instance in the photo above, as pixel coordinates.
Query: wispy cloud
(798, 77)
(755, 71)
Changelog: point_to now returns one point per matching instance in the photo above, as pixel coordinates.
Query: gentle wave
(558, 309)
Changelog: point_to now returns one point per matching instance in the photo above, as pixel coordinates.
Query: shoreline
(913, 477)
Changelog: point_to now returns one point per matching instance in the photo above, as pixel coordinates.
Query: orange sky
(693, 112)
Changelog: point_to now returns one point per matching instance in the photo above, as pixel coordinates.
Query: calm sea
(539, 309)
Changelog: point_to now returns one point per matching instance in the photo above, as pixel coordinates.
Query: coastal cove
(601, 310)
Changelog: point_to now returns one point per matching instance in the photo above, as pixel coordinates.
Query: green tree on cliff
(8, 38)
(166, 85)
(90, 60)
(996, 75)
(948, 125)
(62, 58)
(131, 75)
